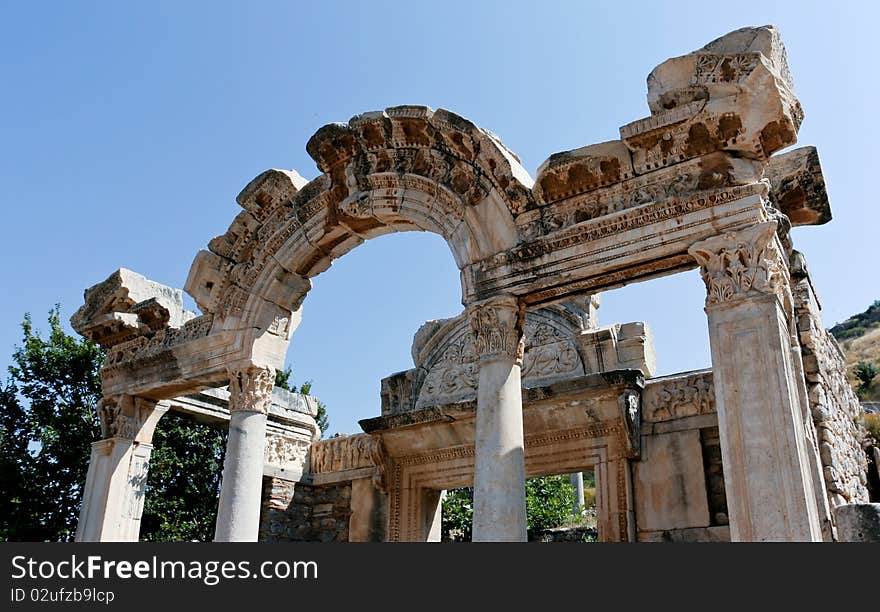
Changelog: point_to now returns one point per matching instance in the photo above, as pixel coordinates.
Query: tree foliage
(183, 483)
(48, 420)
(282, 379)
(549, 501)
(865, 372)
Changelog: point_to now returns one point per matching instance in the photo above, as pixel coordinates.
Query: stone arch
(407, 168)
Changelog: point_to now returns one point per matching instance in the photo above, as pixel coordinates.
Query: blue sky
(127, 130)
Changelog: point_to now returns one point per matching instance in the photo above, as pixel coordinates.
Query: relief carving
(679, 397)
(250, 389)
(497, 328)
(349, 453)
(549, 354)
(742, 263)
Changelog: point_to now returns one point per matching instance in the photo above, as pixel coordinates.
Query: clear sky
(127, 130)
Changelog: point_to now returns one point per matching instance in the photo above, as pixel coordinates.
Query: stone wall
(834, 406)
(297, 512)
(678, 483)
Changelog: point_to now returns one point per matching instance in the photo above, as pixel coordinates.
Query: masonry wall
(297, 512)
(834, 405)
(678, 483)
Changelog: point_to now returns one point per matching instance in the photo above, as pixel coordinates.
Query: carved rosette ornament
(497, 329)
(742, 264)
(250, 388)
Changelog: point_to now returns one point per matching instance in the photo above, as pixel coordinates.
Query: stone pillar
(577, 481)
(499, 471)
(767, 474)
(113, 496)
(238, 513)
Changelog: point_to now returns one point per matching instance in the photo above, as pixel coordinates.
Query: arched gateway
(692, 185)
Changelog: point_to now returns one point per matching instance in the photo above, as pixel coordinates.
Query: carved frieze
(349, 453)
(675, 398)
(549, 353)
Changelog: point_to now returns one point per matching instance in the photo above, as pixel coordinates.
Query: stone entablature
(597, 217)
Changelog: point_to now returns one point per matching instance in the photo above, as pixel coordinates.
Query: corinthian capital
(497, 328)
(741, 264)
(250, 388)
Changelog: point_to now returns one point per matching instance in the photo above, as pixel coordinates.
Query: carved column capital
(250, 388)
(743, 264)
(129, 417)
(497, 328)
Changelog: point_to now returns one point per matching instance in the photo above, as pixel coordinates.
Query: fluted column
(767, 473)
(113, 495)
(499, 472)
(238, 513)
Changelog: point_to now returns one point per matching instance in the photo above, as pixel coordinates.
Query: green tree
(548, 501)
(548, 504)
(48, 420)
(183, 483)
(456, 524)
(282, 379)
(865, 372)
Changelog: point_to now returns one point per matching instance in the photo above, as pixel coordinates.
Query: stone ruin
(764, 445)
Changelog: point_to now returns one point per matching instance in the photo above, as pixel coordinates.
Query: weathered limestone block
(858, 522)
(797, 186)
(349, 458)
(127, 306)
(572, 173)
(679, 396)
(670, 486)
(735, 94)
(627, 346)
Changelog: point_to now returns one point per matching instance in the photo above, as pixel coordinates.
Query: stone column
(577, 481)
(238, 513)
(767, 473)
(113, 496)
(499, 471)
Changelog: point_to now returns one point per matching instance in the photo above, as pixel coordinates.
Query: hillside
(859, 337)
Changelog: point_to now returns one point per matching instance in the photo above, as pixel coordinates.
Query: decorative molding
(124, 416)
(497, 328)
(676, 398)
(741, 264)
(351, 452)
(250, 388)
